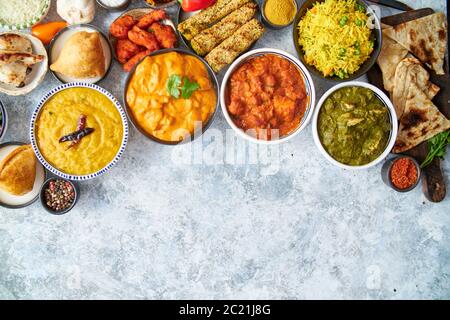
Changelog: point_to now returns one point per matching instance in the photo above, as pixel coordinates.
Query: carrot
(46, 31)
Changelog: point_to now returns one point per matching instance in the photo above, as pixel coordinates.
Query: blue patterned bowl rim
(37, 111)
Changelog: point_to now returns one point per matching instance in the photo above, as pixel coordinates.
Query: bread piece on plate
(421, 121)
(18, 171)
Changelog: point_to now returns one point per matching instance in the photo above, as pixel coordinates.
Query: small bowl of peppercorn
(59, 196)
(401, 173)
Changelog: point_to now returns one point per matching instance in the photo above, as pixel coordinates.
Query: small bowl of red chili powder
(401, 173)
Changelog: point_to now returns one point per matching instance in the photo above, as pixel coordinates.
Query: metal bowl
(376, 36)
(4, 121)
(276, 26)
(309, 85)
(386, 173)
(81, 27)
(196, 134)
(76, 190)
(393, 119)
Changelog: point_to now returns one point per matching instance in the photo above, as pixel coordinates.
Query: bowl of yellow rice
(337, 40)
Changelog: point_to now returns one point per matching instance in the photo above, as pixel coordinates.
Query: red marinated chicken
(126, 49)
(121, 26)
(132, 62)
(154, 16)
(143, 38)
(164, 34)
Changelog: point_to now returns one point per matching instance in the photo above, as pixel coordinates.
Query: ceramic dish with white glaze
(119, 7)
(3, 121)
(57, 171)
(18, 202)
(59, 41)
(309, 86)
(38, 71)
(393, 121)
(27, 23)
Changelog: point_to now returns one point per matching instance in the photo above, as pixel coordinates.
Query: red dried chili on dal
(403, 173)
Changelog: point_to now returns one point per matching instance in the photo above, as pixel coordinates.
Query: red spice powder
(403, 173)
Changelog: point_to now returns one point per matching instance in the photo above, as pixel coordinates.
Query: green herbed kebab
(199, 22)
(208, 39)
(241, 40)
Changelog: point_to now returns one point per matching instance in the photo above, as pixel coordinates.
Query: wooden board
(432, 179)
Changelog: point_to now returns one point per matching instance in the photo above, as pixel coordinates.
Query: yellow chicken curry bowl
(171, 96)
(78, 131)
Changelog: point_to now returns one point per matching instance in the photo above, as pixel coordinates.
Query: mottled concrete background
(155, 229)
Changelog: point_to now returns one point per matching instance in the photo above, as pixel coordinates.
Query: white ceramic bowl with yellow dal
(58, 114)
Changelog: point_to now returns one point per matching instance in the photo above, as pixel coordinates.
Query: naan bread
(15, 42)
(390, 56)
(425, 37)
(26, 58)
(18, 171)
(14, 73)
(410, 71)
(82, 56)
(16, 59)
(421, 121)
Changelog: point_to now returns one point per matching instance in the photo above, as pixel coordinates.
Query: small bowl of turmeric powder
(278, 14)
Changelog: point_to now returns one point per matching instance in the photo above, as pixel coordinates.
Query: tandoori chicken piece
(126, 49)
(164, 34)
(143, 38)
(121, 26)
(150, 18)
(132, 62)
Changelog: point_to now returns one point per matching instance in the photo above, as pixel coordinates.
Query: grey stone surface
(292, 227)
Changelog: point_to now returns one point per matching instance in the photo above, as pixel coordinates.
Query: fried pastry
(18, 171)
(82, 56)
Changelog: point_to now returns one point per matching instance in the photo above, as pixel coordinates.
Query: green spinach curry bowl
(355, 125)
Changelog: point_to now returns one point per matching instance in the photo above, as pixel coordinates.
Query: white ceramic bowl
(310, 92)
(394, 124)
(38, 72)
(37, 112)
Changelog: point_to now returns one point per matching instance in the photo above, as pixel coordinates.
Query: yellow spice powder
(280, 12)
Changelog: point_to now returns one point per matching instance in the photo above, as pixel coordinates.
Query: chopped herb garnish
(177, 86)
